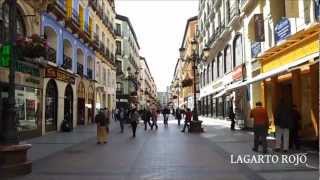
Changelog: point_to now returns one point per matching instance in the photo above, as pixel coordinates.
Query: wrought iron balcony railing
(89, 73)
(51, 54)
(67, 62)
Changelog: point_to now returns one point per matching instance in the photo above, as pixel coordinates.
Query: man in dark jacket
(283, 122)
(178, 115)
(232, 117)
(146, 115)
(101, 122)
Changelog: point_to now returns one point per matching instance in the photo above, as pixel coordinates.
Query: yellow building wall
(299, 51)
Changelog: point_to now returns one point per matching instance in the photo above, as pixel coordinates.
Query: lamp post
(13, 159)
(195, 125)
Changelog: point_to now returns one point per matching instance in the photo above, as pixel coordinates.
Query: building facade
(128, 63)
(104, 41)
(61, 52)
(29, 67)
(264, 51)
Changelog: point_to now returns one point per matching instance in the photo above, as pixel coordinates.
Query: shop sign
(237, 73)
(5, 55)
(255, 49)
(259, 27)
(59, 75)
(282, 29)
(317, 9)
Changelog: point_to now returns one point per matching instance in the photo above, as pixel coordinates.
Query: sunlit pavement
(155, 155)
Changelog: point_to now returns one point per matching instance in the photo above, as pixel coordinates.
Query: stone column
(314, 78)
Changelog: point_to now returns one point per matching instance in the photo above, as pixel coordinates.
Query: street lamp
(195, 126)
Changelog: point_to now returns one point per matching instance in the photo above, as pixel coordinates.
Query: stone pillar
(274, 94)
(314, 78)
(296, 89)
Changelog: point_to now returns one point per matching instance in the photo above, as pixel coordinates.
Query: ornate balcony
(89, 73)
(67, 62)
(51, 55)
(80, 69)
(101, 47)
(96, 41)
(74, 21)
(58, 8)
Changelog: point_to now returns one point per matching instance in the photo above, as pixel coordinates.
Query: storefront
(298, 83)
(91, 104)
(51, 106)
(28, 93)
(59, 98)
(81, 104)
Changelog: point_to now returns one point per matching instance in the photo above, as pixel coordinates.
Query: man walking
(187, 120)
(232, 117)
(146, 115)
(121, 117)
(100, 120)
(165, 113)
(154, 116)
(134, 120)
(178, 115)
(283, 121)
(261, 123)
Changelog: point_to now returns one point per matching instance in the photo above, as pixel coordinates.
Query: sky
(159, 26)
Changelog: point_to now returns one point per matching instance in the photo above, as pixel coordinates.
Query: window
(104, 78)
(227, 59)
(208, 74)
(217, 66)
(221, 65)
(204, 77)
(212, 70)
(237, 46)
(118, 29)
(4, 23)
(119, 49)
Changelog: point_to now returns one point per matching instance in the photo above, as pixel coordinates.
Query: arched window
(237, 51)
(227, 59)
(4, 22)
(208, 74)
(212, 70)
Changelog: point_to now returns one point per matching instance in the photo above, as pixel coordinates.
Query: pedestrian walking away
(134, 120)
(154, 117)
(187, 120)
(283, 121)
(232, 118)
(165, 113)
(178, 115)
(146, 115)
(260, 125)
(100, 120)
(121, 117)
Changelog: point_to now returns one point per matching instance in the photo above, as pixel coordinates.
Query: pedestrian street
(163, 154)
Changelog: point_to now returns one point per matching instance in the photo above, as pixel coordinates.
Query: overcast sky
(159, 26)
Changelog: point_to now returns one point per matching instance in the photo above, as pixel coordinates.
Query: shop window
(227, 59)
(27, 106)
(238, 55)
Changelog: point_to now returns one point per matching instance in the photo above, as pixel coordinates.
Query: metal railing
(80, 69)
(67, 62)
(51, 54)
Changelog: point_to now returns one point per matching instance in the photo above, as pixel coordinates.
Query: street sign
(282, 29)
(5, 55)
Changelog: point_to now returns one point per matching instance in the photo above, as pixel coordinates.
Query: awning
(274, 72)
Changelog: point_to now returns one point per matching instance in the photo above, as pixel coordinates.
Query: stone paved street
(166, 154)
